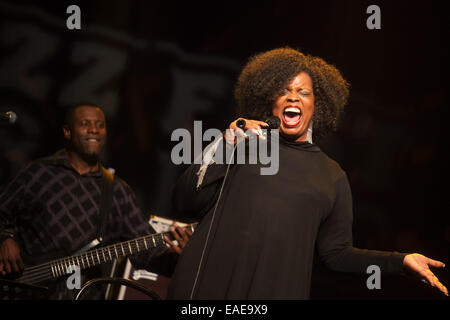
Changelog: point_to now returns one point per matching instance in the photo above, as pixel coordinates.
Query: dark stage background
(158, 66)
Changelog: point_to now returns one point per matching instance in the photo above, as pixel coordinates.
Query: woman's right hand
(254, 126)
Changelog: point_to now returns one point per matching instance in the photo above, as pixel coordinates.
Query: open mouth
(292, 116)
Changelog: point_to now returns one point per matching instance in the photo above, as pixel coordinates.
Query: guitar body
(27, 286)
(14, 290)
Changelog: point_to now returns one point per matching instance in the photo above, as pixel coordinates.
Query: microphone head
(9, 116)
(273, 122)
(12, 116)
(241, 123)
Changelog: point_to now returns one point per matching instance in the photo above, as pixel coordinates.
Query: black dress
(266, 227)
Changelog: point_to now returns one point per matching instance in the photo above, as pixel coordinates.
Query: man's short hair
(71, 111)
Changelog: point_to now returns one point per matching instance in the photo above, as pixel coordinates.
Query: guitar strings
(37, 278)
(42, 272)
(92, 252)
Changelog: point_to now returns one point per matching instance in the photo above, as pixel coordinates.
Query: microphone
(241, 124)
(273, 122)
(9, 116)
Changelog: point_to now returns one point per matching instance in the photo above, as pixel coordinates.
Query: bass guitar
(61, 267)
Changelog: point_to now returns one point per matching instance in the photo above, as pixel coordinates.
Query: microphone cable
(211, 223)
(273, 122)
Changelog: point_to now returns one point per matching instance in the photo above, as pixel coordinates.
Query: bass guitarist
(60, 204)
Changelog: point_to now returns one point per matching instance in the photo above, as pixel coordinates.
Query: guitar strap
(105, 201)
(105, 207)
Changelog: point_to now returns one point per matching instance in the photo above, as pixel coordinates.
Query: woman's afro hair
(267, 74)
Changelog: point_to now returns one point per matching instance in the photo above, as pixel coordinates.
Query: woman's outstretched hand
(420, 264)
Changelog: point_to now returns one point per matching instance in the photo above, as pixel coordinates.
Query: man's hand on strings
(181, 235)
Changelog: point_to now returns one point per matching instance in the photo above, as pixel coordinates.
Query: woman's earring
(309, 133)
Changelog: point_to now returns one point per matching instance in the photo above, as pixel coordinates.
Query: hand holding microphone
(254, 127)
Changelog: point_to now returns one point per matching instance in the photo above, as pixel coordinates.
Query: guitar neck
(61, 267)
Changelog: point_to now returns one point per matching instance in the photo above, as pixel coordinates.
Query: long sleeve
(192, 202)
(12, 202)
(198, 187)
(135, 224)
(334, 241)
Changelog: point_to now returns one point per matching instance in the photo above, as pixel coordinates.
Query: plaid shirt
(49, 207)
